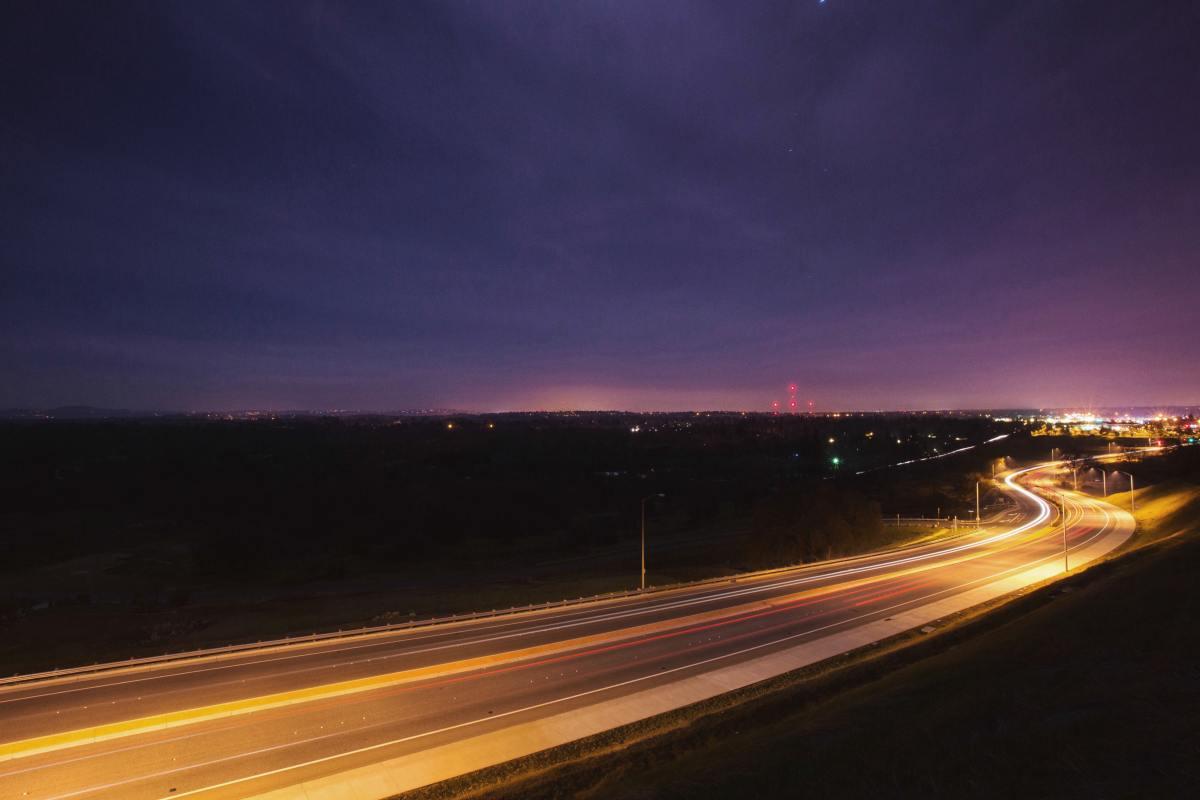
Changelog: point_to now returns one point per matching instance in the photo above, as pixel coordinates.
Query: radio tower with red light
(793, 403)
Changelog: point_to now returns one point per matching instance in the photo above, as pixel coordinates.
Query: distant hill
(83, 413)
(77, 412)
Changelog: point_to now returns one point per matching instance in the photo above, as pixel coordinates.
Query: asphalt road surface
(241, 724)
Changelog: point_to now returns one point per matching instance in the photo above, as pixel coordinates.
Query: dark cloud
(602, 204)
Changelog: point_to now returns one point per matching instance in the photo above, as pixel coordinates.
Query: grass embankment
(1086, 688)
(1163, 511)
(910, 535)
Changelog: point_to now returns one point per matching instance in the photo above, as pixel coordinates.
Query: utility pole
(1062, 505)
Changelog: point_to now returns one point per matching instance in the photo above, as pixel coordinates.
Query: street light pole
(978, 519)
(1104, 481)
(644, 499)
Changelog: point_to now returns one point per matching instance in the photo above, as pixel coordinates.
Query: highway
(368, 715)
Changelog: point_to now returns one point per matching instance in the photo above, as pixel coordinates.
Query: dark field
(128, 537)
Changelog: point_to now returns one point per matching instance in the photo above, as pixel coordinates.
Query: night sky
(642, 205)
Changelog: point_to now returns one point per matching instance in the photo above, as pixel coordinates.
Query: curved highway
(372, 715)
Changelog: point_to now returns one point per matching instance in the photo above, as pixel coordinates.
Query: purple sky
(497, 205)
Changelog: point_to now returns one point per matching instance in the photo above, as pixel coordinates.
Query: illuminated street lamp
(644, 499)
